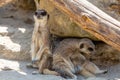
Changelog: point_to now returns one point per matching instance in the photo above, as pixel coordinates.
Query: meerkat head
(41, 17)
(86, 46)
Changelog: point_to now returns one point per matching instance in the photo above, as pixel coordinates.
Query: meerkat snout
(41, 17)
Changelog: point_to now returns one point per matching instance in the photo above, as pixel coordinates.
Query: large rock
(111, 7)
(25, 4)
(105, 55)
(62, 25)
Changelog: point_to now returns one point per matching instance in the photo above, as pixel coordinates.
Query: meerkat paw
(30, 65)
(71, 77)
(104, 71)
(35, 72)
(101, 71)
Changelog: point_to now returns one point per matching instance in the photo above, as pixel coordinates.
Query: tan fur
(40, 47)
(69, 58)
(90, 69)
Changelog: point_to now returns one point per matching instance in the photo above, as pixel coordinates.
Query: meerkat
(40, 47)
(69, 58)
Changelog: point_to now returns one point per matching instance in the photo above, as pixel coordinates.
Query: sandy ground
(16, 70)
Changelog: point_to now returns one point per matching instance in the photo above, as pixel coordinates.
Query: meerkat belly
(40, 40)
(36, 43)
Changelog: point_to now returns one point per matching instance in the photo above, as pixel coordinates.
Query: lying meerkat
(69, 58)
(40, 48)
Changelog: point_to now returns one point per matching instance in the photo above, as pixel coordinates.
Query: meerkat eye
(43, 13)
(90, 49)
(82, 53)
(81, 46)
(36, 13)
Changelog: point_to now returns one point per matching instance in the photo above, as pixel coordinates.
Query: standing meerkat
(69, 58)
(41, 36)
(40, 47)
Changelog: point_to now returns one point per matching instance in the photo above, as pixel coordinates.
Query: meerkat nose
(38, 16)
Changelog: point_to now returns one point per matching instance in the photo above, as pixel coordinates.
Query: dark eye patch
(48, 16)
(81, 46)
(36, 13)
(82, 53)
(90, 49)
(43, 13)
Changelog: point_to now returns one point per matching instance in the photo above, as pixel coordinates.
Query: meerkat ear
(48, 16)
(81, 45)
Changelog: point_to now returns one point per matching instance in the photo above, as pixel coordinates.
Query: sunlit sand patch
(22, 30)
(6, 65)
